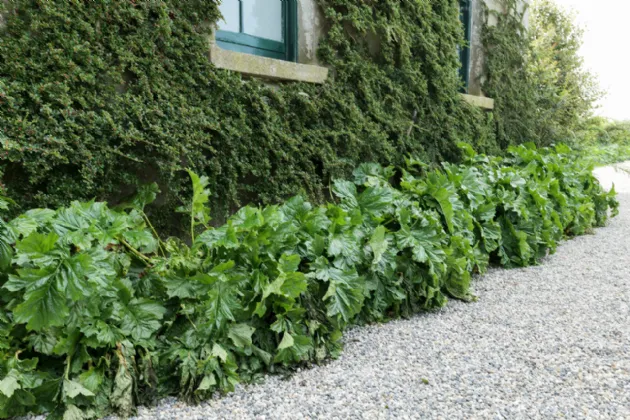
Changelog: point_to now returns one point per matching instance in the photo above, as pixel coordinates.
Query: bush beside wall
(98, 314)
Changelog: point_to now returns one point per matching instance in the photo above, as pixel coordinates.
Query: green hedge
(99, 315)
(97, 98)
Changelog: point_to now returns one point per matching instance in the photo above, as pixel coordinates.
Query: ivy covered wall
(98, 97)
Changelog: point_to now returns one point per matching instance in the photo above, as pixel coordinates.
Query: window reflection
(231, 16)
(261, 18)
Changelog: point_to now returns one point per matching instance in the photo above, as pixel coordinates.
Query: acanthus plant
(99, 314)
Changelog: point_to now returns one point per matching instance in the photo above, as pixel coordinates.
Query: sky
(605, 53)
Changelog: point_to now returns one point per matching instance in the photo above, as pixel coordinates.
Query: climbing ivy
(97, 98)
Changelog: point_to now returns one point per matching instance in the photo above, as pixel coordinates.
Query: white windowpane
(263, 18)
(230, 11)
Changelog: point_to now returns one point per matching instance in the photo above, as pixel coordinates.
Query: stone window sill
(268, 68)
(480, 101)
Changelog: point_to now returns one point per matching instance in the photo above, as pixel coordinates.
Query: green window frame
(249, 44)
(465, 17)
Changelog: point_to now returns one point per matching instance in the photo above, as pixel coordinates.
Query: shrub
(541, 87)
(100, 315)
(602, 142)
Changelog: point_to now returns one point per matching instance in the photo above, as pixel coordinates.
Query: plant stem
(68, 362)
(192, 227)
(160, 243)
(137, 253)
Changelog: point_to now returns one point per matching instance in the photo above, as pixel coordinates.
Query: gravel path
(542, 342)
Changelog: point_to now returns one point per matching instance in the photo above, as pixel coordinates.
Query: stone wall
(311, 26)
(477, 59)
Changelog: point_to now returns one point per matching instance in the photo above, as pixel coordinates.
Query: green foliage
(541, 89)
(97, 99)
(99, 315)
(602, 142)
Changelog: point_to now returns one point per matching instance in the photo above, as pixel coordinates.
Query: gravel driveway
(541, 342)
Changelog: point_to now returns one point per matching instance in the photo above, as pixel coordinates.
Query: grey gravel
(542, 342)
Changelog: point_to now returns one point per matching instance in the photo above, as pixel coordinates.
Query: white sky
(607, 23)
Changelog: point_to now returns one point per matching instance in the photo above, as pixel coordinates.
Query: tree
(565, 91)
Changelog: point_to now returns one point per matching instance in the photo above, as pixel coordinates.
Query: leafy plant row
(99, 314)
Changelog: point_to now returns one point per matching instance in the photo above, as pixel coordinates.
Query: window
(465, 16)
(262, 27)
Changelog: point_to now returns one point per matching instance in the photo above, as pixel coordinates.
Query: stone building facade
(237, 43)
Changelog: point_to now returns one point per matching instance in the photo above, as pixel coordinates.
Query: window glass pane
(263, 18)
(230, 11)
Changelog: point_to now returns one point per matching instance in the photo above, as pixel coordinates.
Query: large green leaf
(44, 306)
(72, 389)
(222, 304)
(6, 250)
(424, 242)
(344, 296)
(241, 335)
(27, 223)
(140, 318)
(375, 200)
(347, 193)
(379, 244)
(9, 384)
(293, 348)
(37, 248)
(198, 209)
